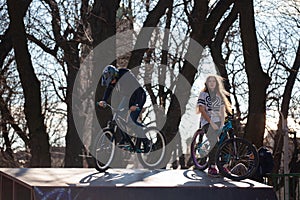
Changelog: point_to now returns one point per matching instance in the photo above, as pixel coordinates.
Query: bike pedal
(139, 151)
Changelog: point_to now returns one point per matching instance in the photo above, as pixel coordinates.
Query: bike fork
(235, 150)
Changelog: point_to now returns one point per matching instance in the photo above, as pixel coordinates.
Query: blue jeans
(134, 115)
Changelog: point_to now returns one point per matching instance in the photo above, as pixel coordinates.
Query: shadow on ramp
(125, 184)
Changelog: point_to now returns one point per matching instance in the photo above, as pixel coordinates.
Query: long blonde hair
(220, 89)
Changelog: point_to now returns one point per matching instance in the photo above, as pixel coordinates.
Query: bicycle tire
(104, 150)
(200, 162)
(237, 164)
(153, 156)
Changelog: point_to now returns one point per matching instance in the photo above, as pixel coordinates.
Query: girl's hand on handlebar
(214, 126)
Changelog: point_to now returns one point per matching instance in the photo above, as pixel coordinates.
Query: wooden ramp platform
(124, 184)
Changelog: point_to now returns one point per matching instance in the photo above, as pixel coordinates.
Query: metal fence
(287, 186)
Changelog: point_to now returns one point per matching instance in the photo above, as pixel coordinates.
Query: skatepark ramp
(125, 184)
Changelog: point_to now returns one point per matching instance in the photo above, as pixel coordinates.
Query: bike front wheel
(104, 150)
(237, 159)
(200, 160)
(153, 149)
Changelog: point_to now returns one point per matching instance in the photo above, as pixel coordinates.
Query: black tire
(200, 161)
(237, 159)
(153, 156)
(104, 150)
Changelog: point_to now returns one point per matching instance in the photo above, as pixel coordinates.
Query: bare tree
(258, 81)
(279, 40)
(102, 21)
(76, 30)
(285, 105)
(39, 139)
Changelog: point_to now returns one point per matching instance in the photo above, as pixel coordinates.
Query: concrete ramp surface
(124, 184)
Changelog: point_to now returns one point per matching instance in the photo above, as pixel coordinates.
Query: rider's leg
(134, 115)
(125, 139)
(123, 104)
(138, 127)
(212, 137)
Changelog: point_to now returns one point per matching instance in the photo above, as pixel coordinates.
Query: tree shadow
(122, 177)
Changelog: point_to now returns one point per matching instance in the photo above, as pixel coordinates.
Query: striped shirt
(212, 108)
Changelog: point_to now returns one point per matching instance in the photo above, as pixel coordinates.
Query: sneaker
(212, 171)
(123, 143)
(240, 169)
(225, 169)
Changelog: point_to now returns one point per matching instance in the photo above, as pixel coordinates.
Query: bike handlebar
(105, 104)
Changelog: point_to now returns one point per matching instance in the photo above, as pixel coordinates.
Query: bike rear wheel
(200, 161)
(152, 152)
(104, 150)
(237, 159)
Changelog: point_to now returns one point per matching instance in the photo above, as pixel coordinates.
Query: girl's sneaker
(226, 170)
(212, 171)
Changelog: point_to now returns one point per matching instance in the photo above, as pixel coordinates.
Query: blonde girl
(212, 105)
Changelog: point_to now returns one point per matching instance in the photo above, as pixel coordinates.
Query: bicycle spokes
(238, 157)
(104, 151)
(199, 150)
(204, 148)
(153, 149)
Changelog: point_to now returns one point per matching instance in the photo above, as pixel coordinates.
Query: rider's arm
(222, 114)
(201, 109)
(106, 95)
(107, 92)
(203, 113)
(206, 117)
(137, 99)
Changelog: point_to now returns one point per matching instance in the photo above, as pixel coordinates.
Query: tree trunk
(6, 40)
(103, 20)
(216, 46)
(258, 81)
(203, 30)
(284, 110)
(151, 21)
(7, 118)
(103, 25)
(5, 45)
(74, 146)
(39, 139)
(177, 108)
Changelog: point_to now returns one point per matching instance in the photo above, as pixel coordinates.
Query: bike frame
(227, 129)
(150, 151)
(119, 123)
(200, 150)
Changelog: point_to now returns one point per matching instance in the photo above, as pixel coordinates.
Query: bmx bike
(107, 150)
(236, 158)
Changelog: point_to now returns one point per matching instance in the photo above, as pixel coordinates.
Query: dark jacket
(126, 86)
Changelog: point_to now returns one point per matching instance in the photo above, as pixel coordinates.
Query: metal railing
(286, 186)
